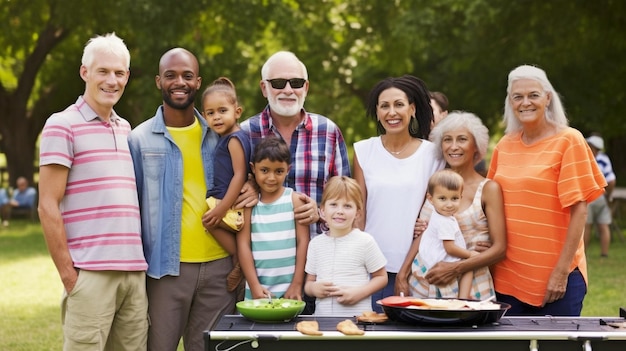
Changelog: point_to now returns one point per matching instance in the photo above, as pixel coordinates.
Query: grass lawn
(30, 292)
(607, 280)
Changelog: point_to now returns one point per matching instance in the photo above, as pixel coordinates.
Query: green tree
(40, 52)
(463, 48)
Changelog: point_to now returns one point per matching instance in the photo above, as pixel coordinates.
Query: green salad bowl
(270, 311)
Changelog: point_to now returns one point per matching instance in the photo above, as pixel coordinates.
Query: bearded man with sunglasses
(318, 150)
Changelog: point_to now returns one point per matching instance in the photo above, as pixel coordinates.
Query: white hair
(278, 56)
(458, 120)
(555, 113)
(109, 43)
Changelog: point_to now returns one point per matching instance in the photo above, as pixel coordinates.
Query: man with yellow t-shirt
(173, 157)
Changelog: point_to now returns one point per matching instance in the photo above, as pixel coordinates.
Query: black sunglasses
(281, 83)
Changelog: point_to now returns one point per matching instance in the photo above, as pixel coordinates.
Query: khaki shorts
(106, 310)
(598, 211)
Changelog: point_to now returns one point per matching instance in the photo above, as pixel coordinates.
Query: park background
(464, 48)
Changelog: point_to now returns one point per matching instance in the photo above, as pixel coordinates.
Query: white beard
(291, 110)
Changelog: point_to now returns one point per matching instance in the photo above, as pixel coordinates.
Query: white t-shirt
(440, 228)
(396, 189)
(345, 261)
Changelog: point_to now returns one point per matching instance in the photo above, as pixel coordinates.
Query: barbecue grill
(236, 333)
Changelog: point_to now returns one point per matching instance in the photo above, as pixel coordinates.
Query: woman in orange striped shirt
(548, 175)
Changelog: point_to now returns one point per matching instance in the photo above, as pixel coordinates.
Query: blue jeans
(384, 292)
(570, 305)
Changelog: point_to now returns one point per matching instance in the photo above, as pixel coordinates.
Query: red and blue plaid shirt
(318, 151)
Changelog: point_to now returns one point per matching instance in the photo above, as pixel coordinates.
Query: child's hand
(212, 218)
(323, 289)
(260, 292)
(419, 227)
(347, 295)
(294, 292)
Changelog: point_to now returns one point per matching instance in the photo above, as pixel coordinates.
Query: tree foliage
(463, 48)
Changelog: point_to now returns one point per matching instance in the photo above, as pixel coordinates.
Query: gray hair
(458, 120)
(555, 113)
(282, 55)
(109, 43)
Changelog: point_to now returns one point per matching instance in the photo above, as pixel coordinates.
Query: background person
(395, 165)
(548, 175)
(4, 202)
(344, 265)
(23, 195)
(439, 104)
(22, 199)
(463, 140)
(599, 211)
(89, 210)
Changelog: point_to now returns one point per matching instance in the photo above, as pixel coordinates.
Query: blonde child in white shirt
(345, 265)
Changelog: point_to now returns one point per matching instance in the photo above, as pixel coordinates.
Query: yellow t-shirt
(195, 244)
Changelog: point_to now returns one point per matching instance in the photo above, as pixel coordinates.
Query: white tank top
(396, 189)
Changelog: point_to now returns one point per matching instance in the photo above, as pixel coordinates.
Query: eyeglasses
(281, 83)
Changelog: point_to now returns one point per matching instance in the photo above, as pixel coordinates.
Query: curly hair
(460, 119)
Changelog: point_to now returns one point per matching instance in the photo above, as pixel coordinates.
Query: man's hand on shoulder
(249, 195)
(306, 213)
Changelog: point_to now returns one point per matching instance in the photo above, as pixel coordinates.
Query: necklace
(397, 152)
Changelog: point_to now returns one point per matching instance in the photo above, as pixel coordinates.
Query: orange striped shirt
(539, 183)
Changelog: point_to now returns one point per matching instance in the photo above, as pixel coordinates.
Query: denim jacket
(159, 173)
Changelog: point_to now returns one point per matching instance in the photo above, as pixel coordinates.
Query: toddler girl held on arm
(232, 156)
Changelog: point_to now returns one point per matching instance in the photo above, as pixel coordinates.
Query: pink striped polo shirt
(100, 208)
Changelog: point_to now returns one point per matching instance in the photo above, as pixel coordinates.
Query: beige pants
(106, 310)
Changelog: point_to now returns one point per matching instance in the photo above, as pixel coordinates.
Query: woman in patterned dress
(463, 140)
